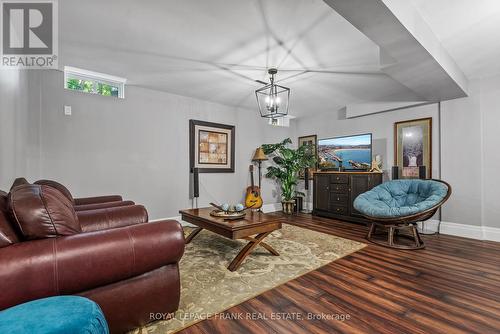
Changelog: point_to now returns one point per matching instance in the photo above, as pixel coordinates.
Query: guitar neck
(251, 177)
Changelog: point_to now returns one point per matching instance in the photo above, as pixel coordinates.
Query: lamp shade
(259, 155)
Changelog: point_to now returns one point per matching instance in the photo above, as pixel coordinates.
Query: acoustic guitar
(253, 198)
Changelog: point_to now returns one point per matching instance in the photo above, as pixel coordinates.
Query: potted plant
(288, 162)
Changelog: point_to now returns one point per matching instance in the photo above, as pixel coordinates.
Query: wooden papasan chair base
(395, 207)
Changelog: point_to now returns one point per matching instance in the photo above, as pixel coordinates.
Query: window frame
(96, 78)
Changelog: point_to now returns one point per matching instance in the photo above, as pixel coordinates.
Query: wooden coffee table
(255, 227)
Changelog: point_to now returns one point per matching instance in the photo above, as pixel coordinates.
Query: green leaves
(271, 148)
(275, 172)
(278, 160)
(288, 164)
(93, 87)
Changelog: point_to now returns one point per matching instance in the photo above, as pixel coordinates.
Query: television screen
(351, 152)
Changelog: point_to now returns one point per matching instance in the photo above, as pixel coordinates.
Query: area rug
(208, 287)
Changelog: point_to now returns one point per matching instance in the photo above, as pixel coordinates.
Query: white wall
(9, 107)
(138, 146)
(461, 158)
(19, 130)
(471, 160)
(490, 112)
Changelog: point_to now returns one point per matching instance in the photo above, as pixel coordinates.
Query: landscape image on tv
(353, 152)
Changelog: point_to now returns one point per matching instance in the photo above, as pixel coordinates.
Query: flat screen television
(348, 153)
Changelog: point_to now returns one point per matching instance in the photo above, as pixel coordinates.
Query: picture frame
(211, 147)
(313, 141)
(413, 146)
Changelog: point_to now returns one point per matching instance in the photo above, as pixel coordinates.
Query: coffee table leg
(248, 249)
(193, 234)
(265, 245)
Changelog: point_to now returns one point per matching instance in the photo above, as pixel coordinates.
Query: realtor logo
(29, 34)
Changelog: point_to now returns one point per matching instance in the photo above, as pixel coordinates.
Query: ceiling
(469, 30)
(215, 49)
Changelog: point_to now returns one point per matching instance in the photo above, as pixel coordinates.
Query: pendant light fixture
(273, 99)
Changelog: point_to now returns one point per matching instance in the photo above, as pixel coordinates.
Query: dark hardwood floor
(452, 286)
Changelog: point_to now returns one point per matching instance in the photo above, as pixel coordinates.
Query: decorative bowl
(228, 215)
(229, 212)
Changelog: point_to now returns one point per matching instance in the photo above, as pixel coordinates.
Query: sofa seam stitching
(46, 209)
(131, 239)
(15, 216)
(56, 268)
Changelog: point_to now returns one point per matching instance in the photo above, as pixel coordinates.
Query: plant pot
(288, 206)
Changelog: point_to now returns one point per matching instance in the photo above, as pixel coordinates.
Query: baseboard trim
(272, 207)
(491, 233)
(463, 230)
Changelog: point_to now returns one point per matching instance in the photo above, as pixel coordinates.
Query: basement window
(93, 82)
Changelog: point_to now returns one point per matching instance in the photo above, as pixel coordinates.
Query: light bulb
(278, 100)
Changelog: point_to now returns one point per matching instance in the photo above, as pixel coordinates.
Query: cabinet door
(376, 179)
(359, 184)
(321, 192)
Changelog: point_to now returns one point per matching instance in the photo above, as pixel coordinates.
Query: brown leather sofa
(112, 256)
(83, 203)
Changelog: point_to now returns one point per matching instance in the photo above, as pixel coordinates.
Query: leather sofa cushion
(43, 212)
(57, 186)
(98, 199)
(107, 218)
(105, 205)
(8, 235)
(20, 181)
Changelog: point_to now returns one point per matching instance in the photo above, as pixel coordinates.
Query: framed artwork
(413, 146)
(312, 142)
(211, 147)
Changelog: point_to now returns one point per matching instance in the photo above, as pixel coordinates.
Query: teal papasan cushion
(54, 315)
(400, 198)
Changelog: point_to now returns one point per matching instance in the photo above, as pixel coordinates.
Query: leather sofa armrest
(96, 206)
(108, 218)
(98, 199)
(77, 263)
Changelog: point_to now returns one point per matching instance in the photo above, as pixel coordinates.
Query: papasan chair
(398, 206)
